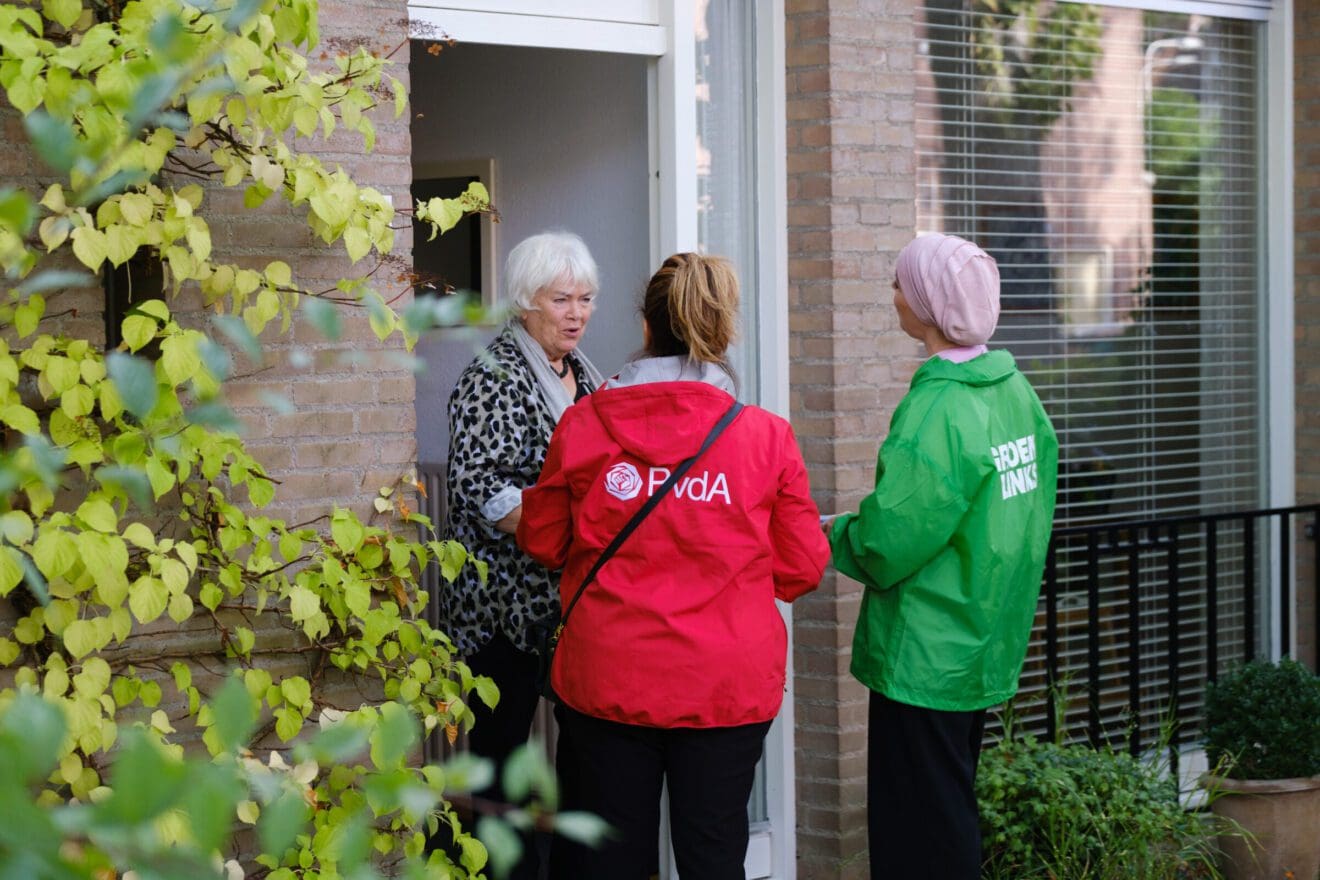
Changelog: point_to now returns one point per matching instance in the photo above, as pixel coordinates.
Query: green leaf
(53, 140)
(502, 842)
(260, 491)
(16, 211)
(28, 315)
(61, 373)
(290, 546)
(238, 333)
(527, 770)
(138, 330)
(347, 531)
(584, 828)
(99, 515)
(131, 481)
(145, 781)
(182, 675)
(147, 598)
(394, 735)
(297, 692)
(281, 821)
(55, 552)
(380, 317)
(303, 603)
(235, 714)
(11, 570)
(31, 736)
(357, 597)
(487, 690)
(179, 358)
(215, 416)
(210, 595)
(257, 682)
(474, 853)
(287, 723)
(90, 247)
(279, 274)
(241, 13)
(80, 638)
(134, 379)
(16, 527)
(324, 316)
(139, 535)
(160, 476)
(357, 243)
(52, 279)
(107, 556)
(136, 208)
(180, 607)
(20, 418)
(209, 802)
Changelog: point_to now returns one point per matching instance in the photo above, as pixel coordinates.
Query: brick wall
(351, 427)
(851, 194)
(1306, 85)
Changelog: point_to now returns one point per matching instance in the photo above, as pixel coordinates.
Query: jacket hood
(987, 369)
(661, 409)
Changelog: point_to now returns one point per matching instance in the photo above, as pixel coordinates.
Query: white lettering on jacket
(703, 487)
(1016, 463)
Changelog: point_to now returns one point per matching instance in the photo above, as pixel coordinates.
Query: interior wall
(568, 133)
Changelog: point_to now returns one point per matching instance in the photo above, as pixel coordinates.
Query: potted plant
(1262, 737)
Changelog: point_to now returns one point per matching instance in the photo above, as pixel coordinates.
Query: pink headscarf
(951, 284)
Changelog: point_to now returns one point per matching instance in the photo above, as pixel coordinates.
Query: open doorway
(610, 146)
(564, 135)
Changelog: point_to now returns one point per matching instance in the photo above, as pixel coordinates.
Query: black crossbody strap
(650, 505)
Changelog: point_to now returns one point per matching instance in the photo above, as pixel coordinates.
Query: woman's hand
(827, 523)
(509, 524)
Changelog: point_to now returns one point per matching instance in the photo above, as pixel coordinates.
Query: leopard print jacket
(499, 431)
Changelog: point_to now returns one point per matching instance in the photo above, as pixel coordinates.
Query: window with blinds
(1106, 157)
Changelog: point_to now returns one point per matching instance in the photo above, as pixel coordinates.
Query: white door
(710, 116)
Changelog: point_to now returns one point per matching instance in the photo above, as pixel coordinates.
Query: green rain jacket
(951, 543)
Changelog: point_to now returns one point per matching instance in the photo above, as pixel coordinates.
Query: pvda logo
(623, 481)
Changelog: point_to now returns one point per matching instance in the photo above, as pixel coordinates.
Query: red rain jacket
(680, 627)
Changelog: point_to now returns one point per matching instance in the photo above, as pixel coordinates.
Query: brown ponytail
(691, 308)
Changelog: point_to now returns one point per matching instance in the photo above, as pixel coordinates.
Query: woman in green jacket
(950, 547)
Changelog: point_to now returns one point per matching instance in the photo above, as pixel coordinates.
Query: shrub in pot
(1262, 736)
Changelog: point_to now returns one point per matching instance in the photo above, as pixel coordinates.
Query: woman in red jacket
(672, 663)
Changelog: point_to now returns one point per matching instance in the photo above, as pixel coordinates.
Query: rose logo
(623, 482)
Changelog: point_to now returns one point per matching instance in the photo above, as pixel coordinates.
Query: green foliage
(1262, 721)
(167, 815)
(131, 507)
(1069, 812)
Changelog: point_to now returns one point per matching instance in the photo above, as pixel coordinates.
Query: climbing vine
(175, 653)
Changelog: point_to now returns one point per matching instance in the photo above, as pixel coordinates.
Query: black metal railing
(1137, 616)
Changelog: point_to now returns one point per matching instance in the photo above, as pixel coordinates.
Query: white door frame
(663, 31)
(1277, 142)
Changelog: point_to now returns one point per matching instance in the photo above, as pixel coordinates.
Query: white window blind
(1107, 158)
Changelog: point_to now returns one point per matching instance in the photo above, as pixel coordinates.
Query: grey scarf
(552, 388)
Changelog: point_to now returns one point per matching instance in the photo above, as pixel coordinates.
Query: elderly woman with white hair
(950, 547)
(501, 415)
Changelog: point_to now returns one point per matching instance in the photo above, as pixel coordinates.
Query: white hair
(545, 259)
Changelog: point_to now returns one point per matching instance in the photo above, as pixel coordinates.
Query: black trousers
(497, 732)
(616, 771)
(921, 805)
